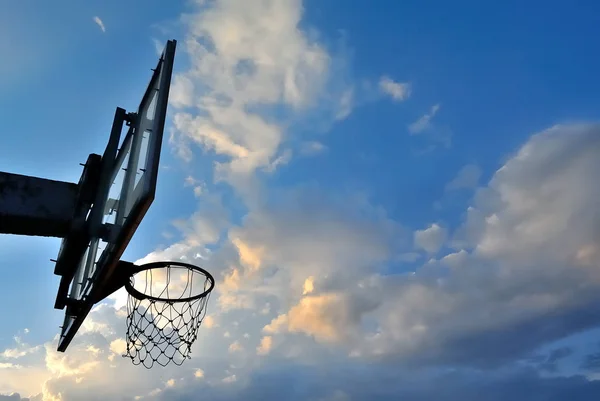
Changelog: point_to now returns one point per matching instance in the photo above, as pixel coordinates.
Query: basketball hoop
(165, 307)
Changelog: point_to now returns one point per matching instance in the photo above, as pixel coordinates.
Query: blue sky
(394, 197)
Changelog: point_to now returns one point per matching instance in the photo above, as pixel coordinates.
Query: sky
(396, 199)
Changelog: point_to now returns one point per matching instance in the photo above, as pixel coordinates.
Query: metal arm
(36, 206)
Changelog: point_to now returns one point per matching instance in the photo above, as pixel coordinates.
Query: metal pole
(36, 206)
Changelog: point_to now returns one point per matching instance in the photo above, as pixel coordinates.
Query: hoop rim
(157, 265)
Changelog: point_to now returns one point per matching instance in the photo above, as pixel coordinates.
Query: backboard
(124, 189)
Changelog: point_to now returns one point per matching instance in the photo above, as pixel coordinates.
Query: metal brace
(73, 305)
(131, 118)
(107, 232)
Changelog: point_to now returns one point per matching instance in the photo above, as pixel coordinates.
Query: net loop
(165, 308)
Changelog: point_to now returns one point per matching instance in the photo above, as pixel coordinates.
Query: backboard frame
(89, 277)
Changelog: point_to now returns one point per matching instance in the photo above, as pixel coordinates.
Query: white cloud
(456, 259)
(409, 257)
(311, 148)
(206, 226)
(22, 349)
(199, 187)
(99, 22)
(398, 91)
(181, 94)
(244, 57)
(431, 239)
(209, 322)
(6, 365)
(118, 346)
(467, 177)
(424, 122)
(266, 309)
(90, 366)
(281, 160)
(346, 104)
(235, 347)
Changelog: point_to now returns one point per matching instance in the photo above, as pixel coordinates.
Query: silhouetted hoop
(163, 318)
(161, 265)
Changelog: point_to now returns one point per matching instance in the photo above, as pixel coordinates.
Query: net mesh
(162, 326)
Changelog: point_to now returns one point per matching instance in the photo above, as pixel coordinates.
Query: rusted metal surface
(36, 206)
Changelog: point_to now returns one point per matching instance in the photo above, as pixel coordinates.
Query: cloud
(99, 22)
(209, 322)
(4, 365)
(204, 227)
(17, 397)
(549, 363)
(20, 351)
(424, 122)
(409, 257)
(13, 353)
(431, 239)
(467, 177)
(309, 285)
(91, 367)
(396, 90)
(346, 104)
(533, 250)
(529, 276)
(302, 233)
(337, 395)
(281, 160)
(23, 376)
(266, 343)
(236, 347)
(330, 317)
(199, 187)
(367, 382)
(433, 133)
(245, 60)
(312, 148)
(118, 346)
(591, 363)
(250, 257)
